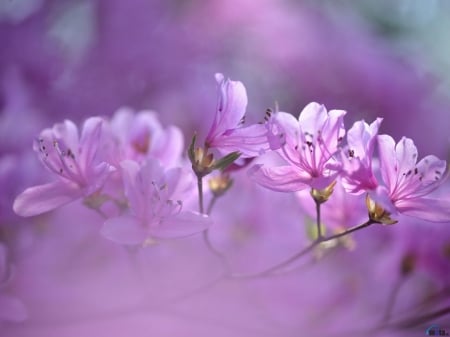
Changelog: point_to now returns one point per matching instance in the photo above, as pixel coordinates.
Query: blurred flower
(156, 207)
(140, 135)
(73, 160)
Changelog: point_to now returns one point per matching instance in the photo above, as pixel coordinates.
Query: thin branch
(393, 298)
(293, 258)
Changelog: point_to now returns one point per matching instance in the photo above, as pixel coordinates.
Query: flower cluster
(138, 176)
(130, 162)
(135, 163)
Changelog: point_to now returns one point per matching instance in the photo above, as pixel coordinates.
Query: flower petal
(231, 106)
(386, 148)
(43, 198)
(281, 178)
(434, 210)
(181, 225)
(406, 154)
(250, 141)
(312, 117)
(90, 140)
(126, 230)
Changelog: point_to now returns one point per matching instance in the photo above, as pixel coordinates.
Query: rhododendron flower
(309, 146)
(140, 135)
(73, 159)
(11, 308)
(357, 161)
(408, 182)
(156, 206)
(227, 133)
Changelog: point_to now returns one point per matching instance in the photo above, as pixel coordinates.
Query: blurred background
(71, 59)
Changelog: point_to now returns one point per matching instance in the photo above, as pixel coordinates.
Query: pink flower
(73, 159)
(227, 133)
(11, 308)
(357, 162)
(308, 145)
(156, 206)
(408, 182)
(140, 135)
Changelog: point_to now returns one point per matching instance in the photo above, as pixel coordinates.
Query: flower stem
(200, 193)
(393, 298)
(223, 259)
(271, 270)
(319, 225)
(211, 204)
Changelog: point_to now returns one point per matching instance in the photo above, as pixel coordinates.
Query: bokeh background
(65, 59)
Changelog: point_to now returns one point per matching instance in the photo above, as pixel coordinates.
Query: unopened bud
(220, 184)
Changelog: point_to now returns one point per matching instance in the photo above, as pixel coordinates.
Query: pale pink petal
(68, 132)
(12, 309)
(124, 230)
(283, 128)
(250, 141)
(232, 102)
(43, 198)
(90, 140)
(434, 210)
(406, 154)
(281, 178)
(312, 118)
(361, 137)
(431, 169)
(389, 167)
(381, 196)
(130, 171)
(181, 225)
(169, 146)
(333, 130)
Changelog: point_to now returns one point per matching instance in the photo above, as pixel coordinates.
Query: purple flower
(140, 135)
(408, 182)
(357, 166)
(156, 206)
(309, 145)
(73, 159)
(227, 133)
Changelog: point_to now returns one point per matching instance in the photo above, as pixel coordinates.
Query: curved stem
(211, 204)
(301, 253)
(214, 251)
(393, 298)
(418, 320)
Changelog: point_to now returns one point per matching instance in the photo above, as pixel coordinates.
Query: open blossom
(140, 135)
(11, 308)
(156, 205)
(74, 161)
(357, 161)
(408, 182)
(309, 146)
(227, 132)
